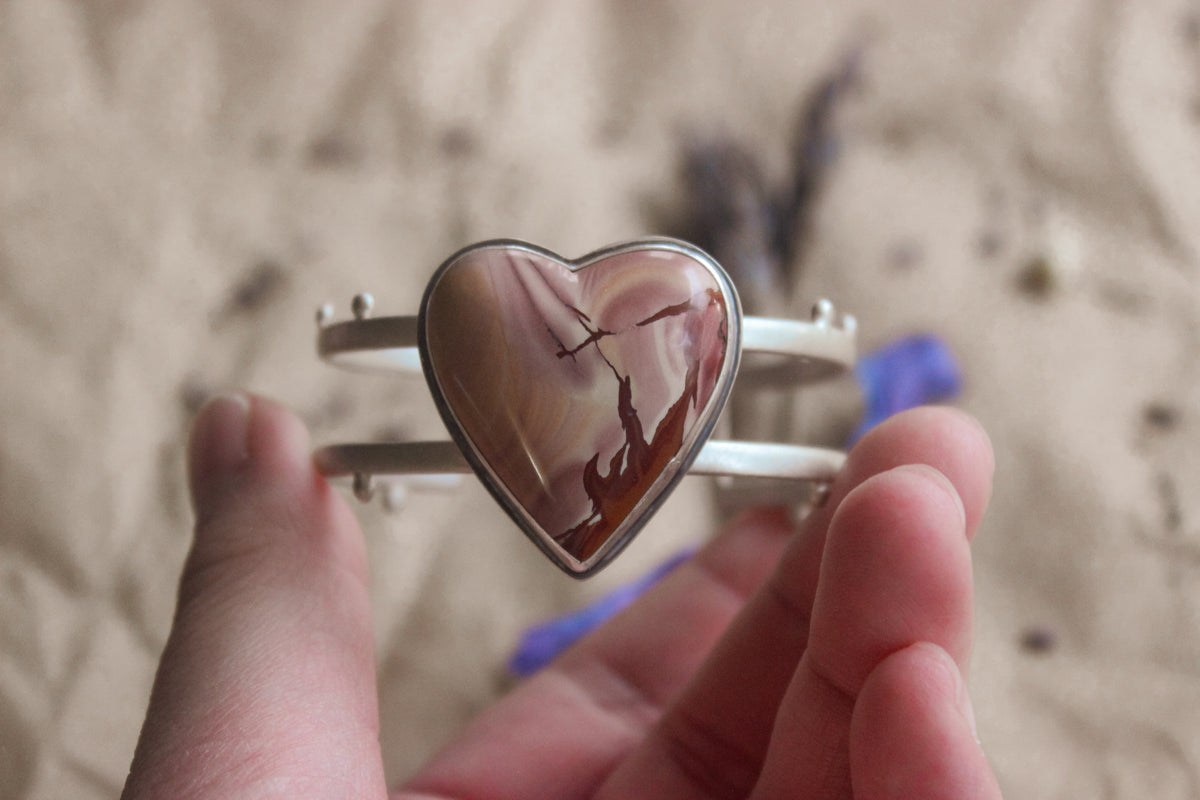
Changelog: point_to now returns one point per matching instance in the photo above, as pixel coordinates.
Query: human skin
(824, 661)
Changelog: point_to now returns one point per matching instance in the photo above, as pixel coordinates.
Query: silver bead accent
(818, 497)
(849, 323)
(362, 305)
(395, 495)
(324, 314)
(364, 486)
(822, 313)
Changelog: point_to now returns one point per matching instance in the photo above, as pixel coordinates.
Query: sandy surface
(182, 183)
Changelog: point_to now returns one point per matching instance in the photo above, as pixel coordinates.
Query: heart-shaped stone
(580, 391)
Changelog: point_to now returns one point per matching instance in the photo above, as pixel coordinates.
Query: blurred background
(183, 182)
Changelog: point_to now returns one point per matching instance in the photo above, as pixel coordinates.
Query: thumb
(267, 680)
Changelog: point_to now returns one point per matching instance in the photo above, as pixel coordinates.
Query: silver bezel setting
(662, 486)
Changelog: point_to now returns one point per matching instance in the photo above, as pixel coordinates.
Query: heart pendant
(580, 391)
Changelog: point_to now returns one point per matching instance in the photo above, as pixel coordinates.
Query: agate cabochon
(579, 391)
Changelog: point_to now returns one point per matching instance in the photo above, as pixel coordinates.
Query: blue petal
(540, 644)
(906, 373)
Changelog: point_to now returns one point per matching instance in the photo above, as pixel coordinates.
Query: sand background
(183, 182)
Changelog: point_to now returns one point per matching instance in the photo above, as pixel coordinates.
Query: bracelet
(581, 391)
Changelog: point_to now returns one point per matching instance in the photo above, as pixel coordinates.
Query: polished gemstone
(579, 389)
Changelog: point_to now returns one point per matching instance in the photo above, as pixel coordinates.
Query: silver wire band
(736, 459)
(774, 351)
(787, 351)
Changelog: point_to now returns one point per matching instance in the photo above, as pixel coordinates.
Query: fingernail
(962, 698)
(218, 441)
(940, 479)
(964, 706)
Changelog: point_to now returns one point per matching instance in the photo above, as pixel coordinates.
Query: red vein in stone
(677, 309)
(562, 348)
(577, 312)
(614, 495)
(594, 336)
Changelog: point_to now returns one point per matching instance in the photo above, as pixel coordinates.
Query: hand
(820, 663)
